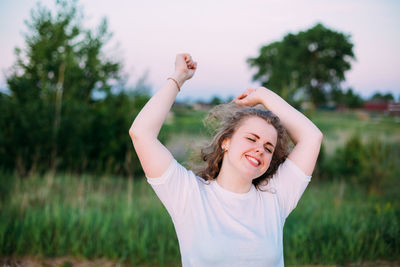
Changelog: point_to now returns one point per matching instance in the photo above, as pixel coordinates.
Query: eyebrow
(256, 136)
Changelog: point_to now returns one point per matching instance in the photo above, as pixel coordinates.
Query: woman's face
(250, 149)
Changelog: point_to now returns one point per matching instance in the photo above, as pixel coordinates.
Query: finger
(193, 65)
(190, 62)
(243, 95)
(188, 58)
(241, 102)
(236, 101)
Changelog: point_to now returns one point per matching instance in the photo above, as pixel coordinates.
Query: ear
(226, 143)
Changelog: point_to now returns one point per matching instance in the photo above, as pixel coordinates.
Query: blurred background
(76, 73)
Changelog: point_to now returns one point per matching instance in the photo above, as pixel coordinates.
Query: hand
(251, 97)
(185, 68)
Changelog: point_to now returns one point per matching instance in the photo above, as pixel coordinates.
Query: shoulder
(291, 169)
(287, 172)
(175, 173)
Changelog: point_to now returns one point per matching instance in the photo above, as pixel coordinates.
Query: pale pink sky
(220, 35)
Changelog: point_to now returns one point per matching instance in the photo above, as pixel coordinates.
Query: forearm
(150, 119)
(298, 126)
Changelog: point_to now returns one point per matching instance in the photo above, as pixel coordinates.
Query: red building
(382, 106)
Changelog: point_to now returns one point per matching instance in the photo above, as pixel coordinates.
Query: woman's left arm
(304, 134)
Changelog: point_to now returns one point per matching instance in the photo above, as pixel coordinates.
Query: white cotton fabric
(216, 227)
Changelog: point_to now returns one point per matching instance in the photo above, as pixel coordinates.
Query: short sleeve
(173, 188)
(289, 182)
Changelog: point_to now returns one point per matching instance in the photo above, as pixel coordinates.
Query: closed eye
(266, 147)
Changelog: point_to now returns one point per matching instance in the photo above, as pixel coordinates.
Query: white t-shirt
(216, 227)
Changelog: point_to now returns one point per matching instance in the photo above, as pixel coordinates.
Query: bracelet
(177, 84)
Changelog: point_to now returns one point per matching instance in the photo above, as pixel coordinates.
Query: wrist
(179, 77)
(265, 96)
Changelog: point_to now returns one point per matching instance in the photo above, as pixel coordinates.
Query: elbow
(133, 134)
(314, 137)
(137, 134)
(319, 136)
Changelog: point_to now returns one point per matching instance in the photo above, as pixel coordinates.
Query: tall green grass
(336, 223)
(86, 217)
(123, 220)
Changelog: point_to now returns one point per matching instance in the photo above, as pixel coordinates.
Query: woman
(236, 218)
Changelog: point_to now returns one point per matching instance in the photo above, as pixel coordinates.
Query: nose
(259, 148)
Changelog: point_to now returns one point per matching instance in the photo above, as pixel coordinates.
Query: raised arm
(304, 134)
(154, 156)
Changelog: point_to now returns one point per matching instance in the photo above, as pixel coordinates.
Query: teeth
(253, 160)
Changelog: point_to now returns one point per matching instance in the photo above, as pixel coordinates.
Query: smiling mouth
(253, 161)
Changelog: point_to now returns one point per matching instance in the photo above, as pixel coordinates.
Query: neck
(231, 180)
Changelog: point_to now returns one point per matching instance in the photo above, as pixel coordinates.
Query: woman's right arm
(154, 156)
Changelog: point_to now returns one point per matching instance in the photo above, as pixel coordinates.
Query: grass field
(339, 126)
(122, 220)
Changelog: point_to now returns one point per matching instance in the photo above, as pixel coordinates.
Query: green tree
(388, 97)
(349, 98)
(353, 100)
(62, 111)
(215, 100)
(308, 64)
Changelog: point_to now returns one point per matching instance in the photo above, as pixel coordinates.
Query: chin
(252, 175)
(251, 172)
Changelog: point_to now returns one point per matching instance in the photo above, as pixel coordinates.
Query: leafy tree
(349, 98)
(382, 97)
(353, 100)
(215, 101)
(62, 111)
(308, 64)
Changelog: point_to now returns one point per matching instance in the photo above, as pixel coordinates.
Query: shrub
(371, 165)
